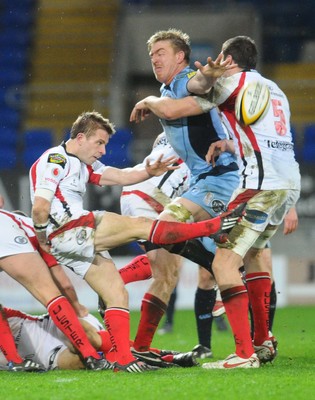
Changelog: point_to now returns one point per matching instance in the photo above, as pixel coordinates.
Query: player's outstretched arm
(166, 108)
(207, 75)
(139, 173)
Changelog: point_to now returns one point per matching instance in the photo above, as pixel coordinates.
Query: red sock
(7, 344)
(166, 232)
(259, 288)
(152, 310)
(117, 322)
(235, 301)
(138, 269)
(106, 345)
(64, 317)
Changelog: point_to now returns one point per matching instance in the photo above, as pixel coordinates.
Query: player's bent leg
(38, 281)
(114, 230)
(36, 278)
(235, 299)
(165, 271)
(105, 280)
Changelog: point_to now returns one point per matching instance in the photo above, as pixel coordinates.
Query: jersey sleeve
(180, 84)
(224, 89)
(95, 172)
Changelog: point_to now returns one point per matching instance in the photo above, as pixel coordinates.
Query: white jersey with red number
(265, 148)
(66, 176)
(157, 191)
(38, 338)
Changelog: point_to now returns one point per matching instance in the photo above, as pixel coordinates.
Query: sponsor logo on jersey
(208, 199)
(51, 180)
(255, 216)
(56, 158)
(55, 172)
(20, 240)
(277, 144)
(191, 74)
(218, 206)
(81, 237)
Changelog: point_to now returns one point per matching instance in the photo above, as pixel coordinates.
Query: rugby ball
(251, 102)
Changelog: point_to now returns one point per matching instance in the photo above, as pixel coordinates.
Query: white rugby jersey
(172, 183)
(66, 176)
(265, 149)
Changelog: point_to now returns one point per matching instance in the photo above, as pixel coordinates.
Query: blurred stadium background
(58, 59)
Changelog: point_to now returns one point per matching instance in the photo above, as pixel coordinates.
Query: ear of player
(252, 103)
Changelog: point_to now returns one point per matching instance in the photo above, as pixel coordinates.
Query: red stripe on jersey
(158, 207)
(87, 220)
(33, 173)
(9, 312)
(228, 108)
(93, 178)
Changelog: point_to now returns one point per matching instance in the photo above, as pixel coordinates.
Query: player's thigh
(114, 229)
(30, 270)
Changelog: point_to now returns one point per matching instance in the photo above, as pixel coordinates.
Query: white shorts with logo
(265, 211)
(74, 248)
(13, 239)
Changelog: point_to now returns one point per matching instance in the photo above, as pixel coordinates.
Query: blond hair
(180, 41)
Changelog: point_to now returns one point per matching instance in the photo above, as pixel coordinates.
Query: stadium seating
(8, 148)
(308, 151)
(16, 21)
(35, 142)
(118, 150)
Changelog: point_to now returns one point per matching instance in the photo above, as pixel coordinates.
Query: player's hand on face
(160, 166)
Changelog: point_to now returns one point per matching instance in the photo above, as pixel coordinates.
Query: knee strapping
(179, 212)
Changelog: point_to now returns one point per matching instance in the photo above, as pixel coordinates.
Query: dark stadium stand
(16, 21)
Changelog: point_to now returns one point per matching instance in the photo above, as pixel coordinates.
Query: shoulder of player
(56, 156)
(184, 75)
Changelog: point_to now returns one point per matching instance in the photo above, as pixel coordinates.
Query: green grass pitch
(291, 376)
